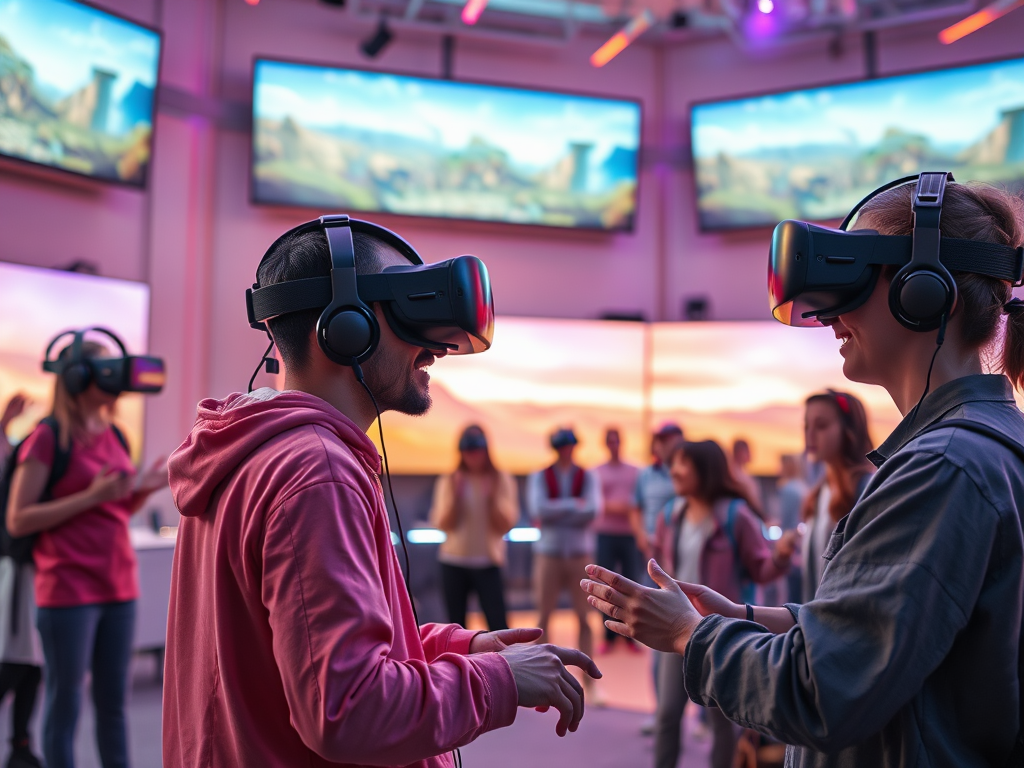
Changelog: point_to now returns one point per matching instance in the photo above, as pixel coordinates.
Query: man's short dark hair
(307, 255)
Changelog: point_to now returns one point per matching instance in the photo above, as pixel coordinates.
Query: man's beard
(391, 381)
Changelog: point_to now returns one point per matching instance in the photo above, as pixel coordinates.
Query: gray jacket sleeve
(907, 573)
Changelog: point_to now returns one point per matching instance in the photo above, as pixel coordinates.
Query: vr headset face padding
(816, 272)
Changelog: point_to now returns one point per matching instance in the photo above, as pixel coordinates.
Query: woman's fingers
(615, 581)
(603, 592)
(612, 611)
(619, 628)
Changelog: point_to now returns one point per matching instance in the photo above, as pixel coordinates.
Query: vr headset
(441, 307)
(816, 273)
(127, 373)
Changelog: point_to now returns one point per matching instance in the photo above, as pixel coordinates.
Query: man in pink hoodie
(291, 637)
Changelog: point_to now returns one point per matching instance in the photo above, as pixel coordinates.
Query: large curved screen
(342, 139)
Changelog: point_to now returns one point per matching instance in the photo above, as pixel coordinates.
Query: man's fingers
(603, 592)
(661, 578)
(570, 678)
(574, 658)
(613, 580)
(576, 699)
(565, 712)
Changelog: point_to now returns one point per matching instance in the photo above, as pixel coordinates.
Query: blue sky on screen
(953, 108)
(534, 128)
(64, 40)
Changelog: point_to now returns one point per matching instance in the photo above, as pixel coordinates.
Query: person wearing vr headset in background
(291, 636)
(475, 506)
(72, 492)
(910, 653)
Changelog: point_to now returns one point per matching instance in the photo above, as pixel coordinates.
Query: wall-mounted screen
(76, 89)
(37, 304)
(813, 154)
(342, 139)
(719, 380)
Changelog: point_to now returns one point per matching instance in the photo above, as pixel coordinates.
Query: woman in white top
(836, 431)
(475, 506)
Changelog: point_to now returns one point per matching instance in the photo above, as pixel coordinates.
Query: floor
(609, 735)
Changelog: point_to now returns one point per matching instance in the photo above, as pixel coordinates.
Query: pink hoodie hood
(227, 431)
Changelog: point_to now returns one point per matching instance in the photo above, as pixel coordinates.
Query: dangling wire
(928, 379)
(270, 362)
(457, 753)
(387, 474)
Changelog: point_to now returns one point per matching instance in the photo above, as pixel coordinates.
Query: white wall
(197, 239)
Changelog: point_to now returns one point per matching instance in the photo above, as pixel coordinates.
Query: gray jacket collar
(951, 395)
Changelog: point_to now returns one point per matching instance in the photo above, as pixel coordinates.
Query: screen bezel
(630, 228)
(830, 84)
(23, 162)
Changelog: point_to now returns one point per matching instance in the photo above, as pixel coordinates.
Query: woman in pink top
(85, 578)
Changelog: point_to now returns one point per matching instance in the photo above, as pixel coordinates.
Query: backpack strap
(979, 428)
(578, 476)
(61, 458)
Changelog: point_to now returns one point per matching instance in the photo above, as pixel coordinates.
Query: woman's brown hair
(856, 444)
(970, 211)
(714, 476)
(67, 409)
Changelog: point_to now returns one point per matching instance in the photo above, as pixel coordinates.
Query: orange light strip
(976, 21)
(617, 43)
(471, 11)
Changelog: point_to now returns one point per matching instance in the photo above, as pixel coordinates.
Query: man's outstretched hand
(542, 679)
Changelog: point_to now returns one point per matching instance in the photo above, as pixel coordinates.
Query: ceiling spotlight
(976, 21)
(617, 43)
(472, 10)
(372, 46)
(765, 6)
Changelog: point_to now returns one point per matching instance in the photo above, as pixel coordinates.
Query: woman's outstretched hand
(708, 602)
(662, 619)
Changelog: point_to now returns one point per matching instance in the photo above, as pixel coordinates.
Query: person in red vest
(563, 500)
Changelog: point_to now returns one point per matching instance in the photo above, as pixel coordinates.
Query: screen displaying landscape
(339, 139)
(813, 154)
(719, 380)
(76, 89)
(37, 304)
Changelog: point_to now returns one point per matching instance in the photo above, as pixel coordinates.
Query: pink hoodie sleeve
(333, 635)
(445, 638)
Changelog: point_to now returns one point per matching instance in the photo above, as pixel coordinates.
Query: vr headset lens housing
(438, 306)
(129, 374)
(817, 273)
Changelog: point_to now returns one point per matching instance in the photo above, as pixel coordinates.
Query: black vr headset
(441, 307)
(816, 273)
(114, 375)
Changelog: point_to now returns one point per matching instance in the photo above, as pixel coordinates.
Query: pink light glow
(472, 10)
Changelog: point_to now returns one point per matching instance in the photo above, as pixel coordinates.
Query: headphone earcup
(349, 335)
(919, 298)
(76, 377)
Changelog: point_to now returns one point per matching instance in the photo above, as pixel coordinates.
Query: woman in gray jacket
(909, 654)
